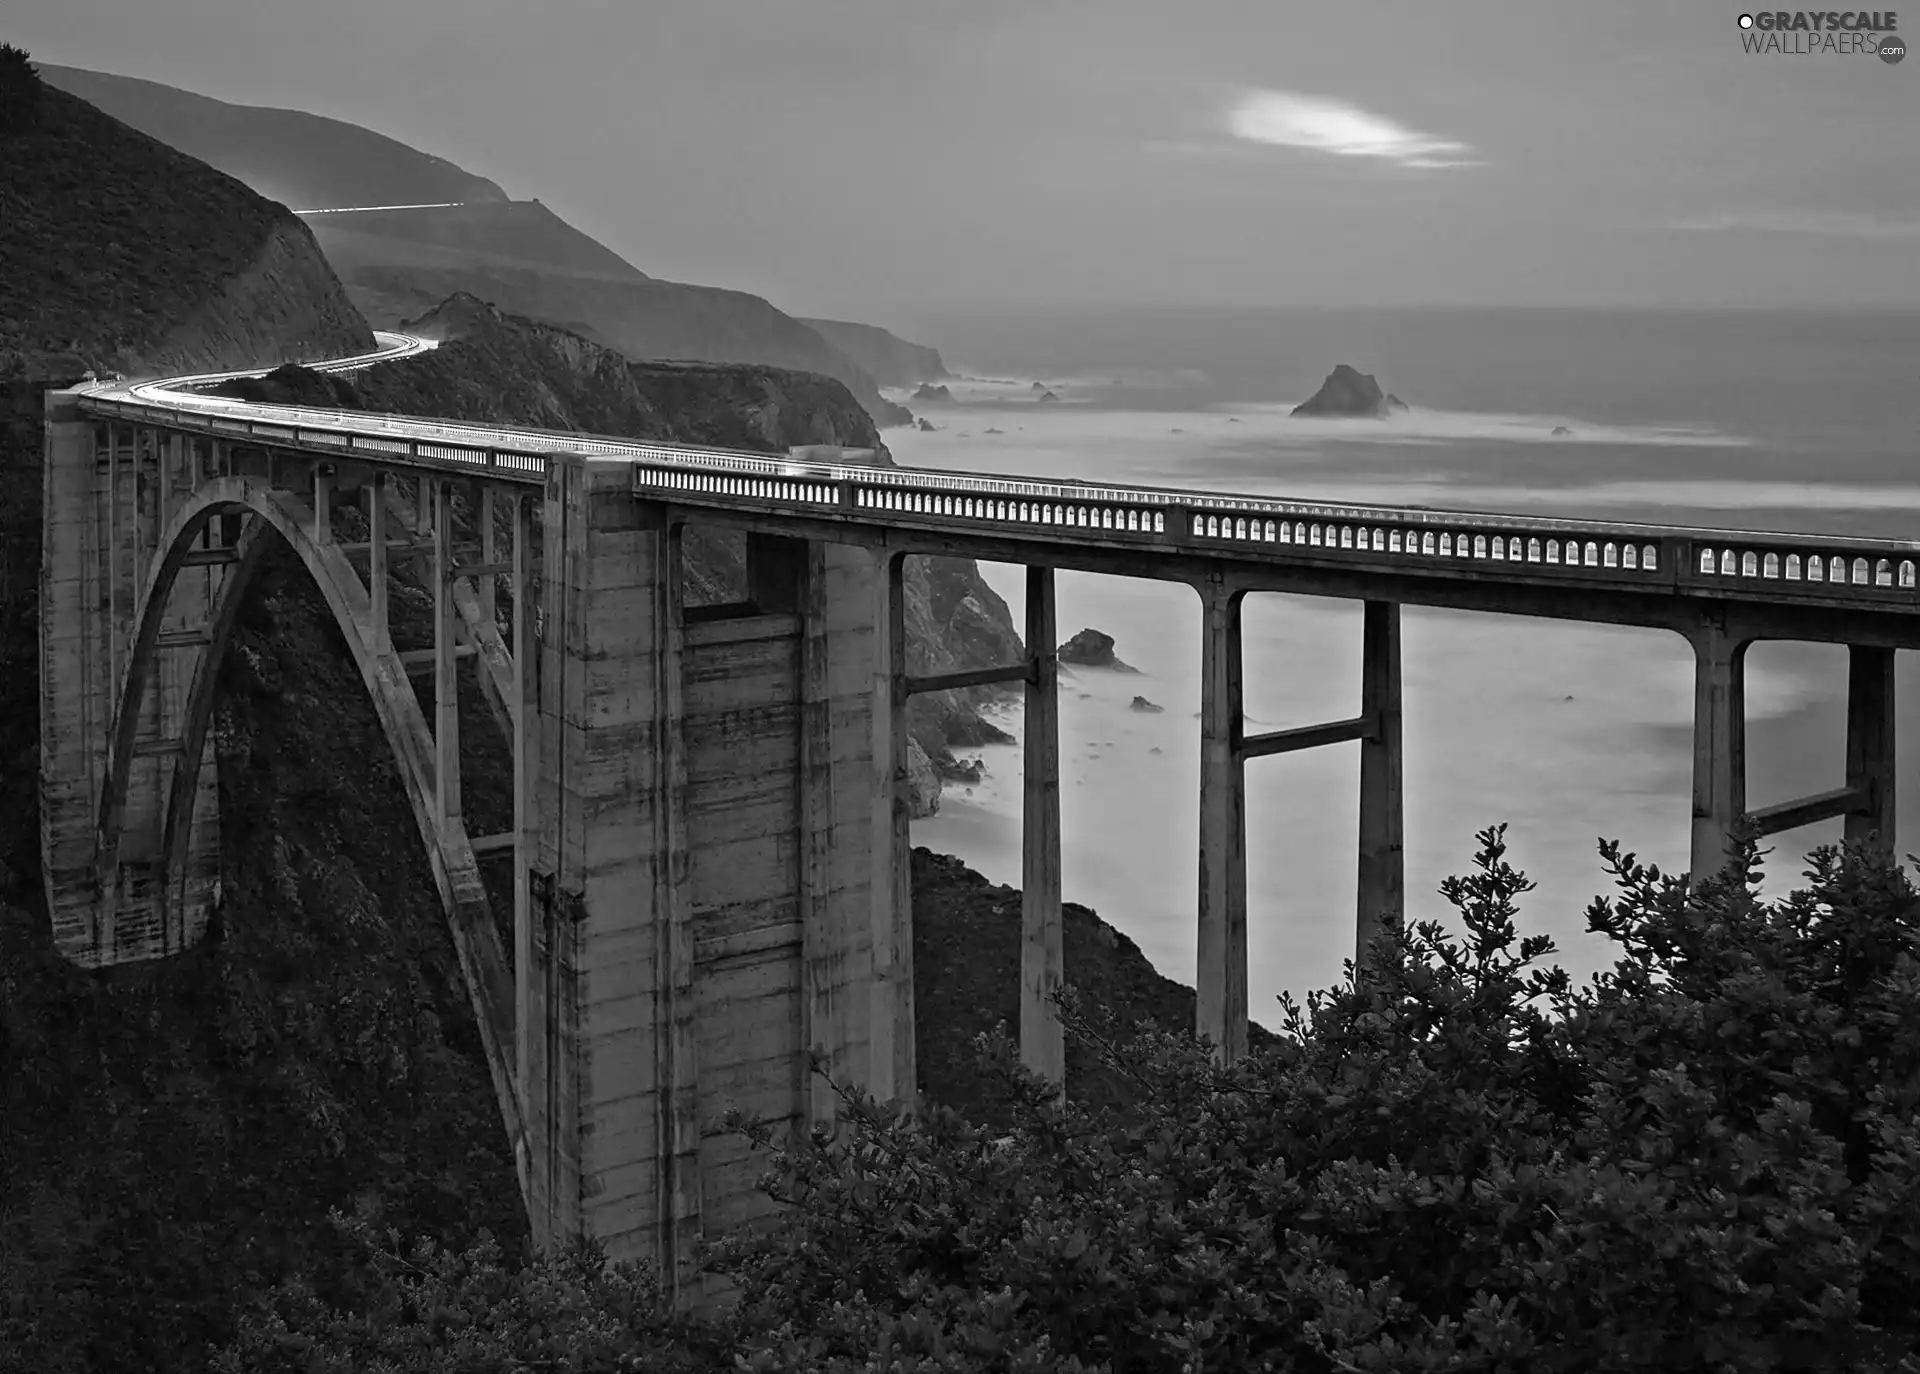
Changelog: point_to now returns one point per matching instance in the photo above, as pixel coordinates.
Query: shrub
(19, 90)
(1705, 1160)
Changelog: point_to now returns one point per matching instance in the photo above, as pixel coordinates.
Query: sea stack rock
(926, 426)
(1350, 393)
(1561, 432)
(1091, 649)
(1143, 705)
(1048, 396)
(928, 391)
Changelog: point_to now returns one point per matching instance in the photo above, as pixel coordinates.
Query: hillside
(490, 234)
(118, 252)
(422, 257)
(891, 360)
(304, 161)
(516, 254)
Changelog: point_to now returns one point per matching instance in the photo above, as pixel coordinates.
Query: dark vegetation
(19, 91)
(1706, 1159)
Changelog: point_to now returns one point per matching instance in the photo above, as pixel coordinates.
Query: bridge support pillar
(892, 1058)
(1042, 1045)
(1221, 976)
(437, 496)
(1382, 877)
(1870, 741)
(1719, 746)
(607, 917)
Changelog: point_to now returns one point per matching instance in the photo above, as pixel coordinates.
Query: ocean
(1567, 732)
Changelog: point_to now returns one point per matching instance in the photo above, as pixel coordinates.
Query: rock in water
(1048, 396)
(930, 391)
(1347, 392)
(1091, 649)
(925, 426)
(1561, 431)
(1142, 704)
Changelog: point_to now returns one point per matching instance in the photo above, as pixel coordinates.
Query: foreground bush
(1707, 1159)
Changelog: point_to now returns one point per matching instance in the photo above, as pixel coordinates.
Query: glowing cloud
(1334, 126)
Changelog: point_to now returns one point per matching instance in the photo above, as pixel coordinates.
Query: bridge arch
(268, 512)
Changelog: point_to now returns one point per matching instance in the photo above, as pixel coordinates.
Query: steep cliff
(891, 360)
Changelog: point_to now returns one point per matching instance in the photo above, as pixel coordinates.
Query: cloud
(1292, 120)
(1830, 224)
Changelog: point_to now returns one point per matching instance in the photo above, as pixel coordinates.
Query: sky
(890, 159)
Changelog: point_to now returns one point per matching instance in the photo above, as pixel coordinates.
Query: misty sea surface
(1569, 732)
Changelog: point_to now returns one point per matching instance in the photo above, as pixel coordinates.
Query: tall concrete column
(1221, 977)
(891, 1054)
(1042, 1045)
(526, 763)
(1719, 746)
(677, 1006)
(323, 484)
(76, 700)
(437, 495)
(376, 490)
(487, 588)
(1382, 884)
(608, 975)
(835, 803)
(1870, 751)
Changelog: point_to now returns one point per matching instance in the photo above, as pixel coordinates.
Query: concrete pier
(1871, 756)
(1042, 1045)
(1221, 975)
(1382, 861)
(892, 1068)
(1719, 745)
(700, 891)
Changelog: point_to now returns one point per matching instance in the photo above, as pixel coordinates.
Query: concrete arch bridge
(709, 835)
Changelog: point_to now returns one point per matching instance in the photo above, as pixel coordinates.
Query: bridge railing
(1675, 558)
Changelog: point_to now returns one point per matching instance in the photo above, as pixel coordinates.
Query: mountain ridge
(343, 162)
(527, 260)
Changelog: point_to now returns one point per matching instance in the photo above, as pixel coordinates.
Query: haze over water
(1798, 421)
